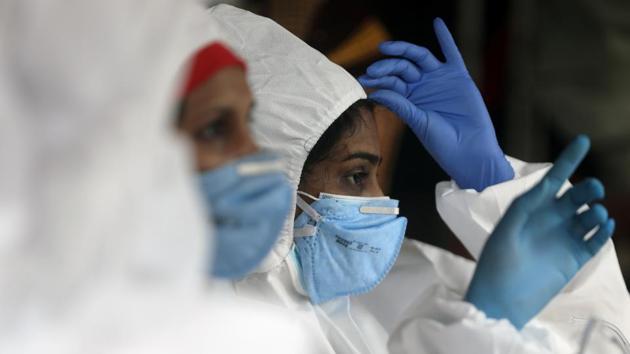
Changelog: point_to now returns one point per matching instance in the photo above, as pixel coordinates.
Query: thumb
(414, 117)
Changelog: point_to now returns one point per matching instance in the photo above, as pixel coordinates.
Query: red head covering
(207, 61)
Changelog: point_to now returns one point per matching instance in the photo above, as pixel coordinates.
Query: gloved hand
(441, 104)
(538, 246)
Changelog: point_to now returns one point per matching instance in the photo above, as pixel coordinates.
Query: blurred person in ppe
(247, 195)
(316, 115)
(104, 245)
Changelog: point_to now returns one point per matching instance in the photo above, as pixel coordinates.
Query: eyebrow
(371, 158)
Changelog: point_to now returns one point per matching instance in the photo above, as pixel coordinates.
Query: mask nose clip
(255, 168)
(366, 209)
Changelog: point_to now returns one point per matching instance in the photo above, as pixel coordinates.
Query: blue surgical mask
(346, 245)
(248, 202)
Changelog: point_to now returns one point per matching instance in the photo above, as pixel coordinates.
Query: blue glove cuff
(489, 172)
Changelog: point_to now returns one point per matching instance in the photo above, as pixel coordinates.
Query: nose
(244, 142)
(374, 190)
(379, 191)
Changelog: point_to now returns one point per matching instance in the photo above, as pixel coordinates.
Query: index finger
(421, 56)
(568, 161)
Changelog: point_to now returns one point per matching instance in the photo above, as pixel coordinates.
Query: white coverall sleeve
(597, 291)
(440, 322)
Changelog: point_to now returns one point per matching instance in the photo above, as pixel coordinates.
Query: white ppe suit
(418, 308)
(103, 243)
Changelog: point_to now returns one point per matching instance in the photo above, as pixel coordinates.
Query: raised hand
(539, 244)
(441, 104)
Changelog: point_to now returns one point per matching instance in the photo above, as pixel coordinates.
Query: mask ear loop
(307, 230)
(307, 208)
(307, 195)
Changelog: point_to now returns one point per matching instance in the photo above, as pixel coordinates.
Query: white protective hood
(299, 93)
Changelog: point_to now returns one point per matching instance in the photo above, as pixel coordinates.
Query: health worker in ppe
(440, 103)
(103, 242)
(316, 114)
(246, 193)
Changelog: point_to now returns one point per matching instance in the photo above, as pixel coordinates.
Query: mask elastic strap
(307, 208)
(307, 230)
(310, 196)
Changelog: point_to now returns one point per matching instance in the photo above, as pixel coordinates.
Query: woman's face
(216, 116)
(352, 164)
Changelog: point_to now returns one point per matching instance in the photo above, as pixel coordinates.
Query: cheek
(320, 179)
(311, 183)
(229, 145)
(373, 189)
(210, 156)
(335, 183)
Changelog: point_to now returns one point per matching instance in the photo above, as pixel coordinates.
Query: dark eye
(357, 178)
(211, 131)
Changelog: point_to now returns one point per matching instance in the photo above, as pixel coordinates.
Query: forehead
(362, 138)
(228, 83)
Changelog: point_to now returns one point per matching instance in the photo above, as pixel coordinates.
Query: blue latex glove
(441, 104)
(538, 246)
